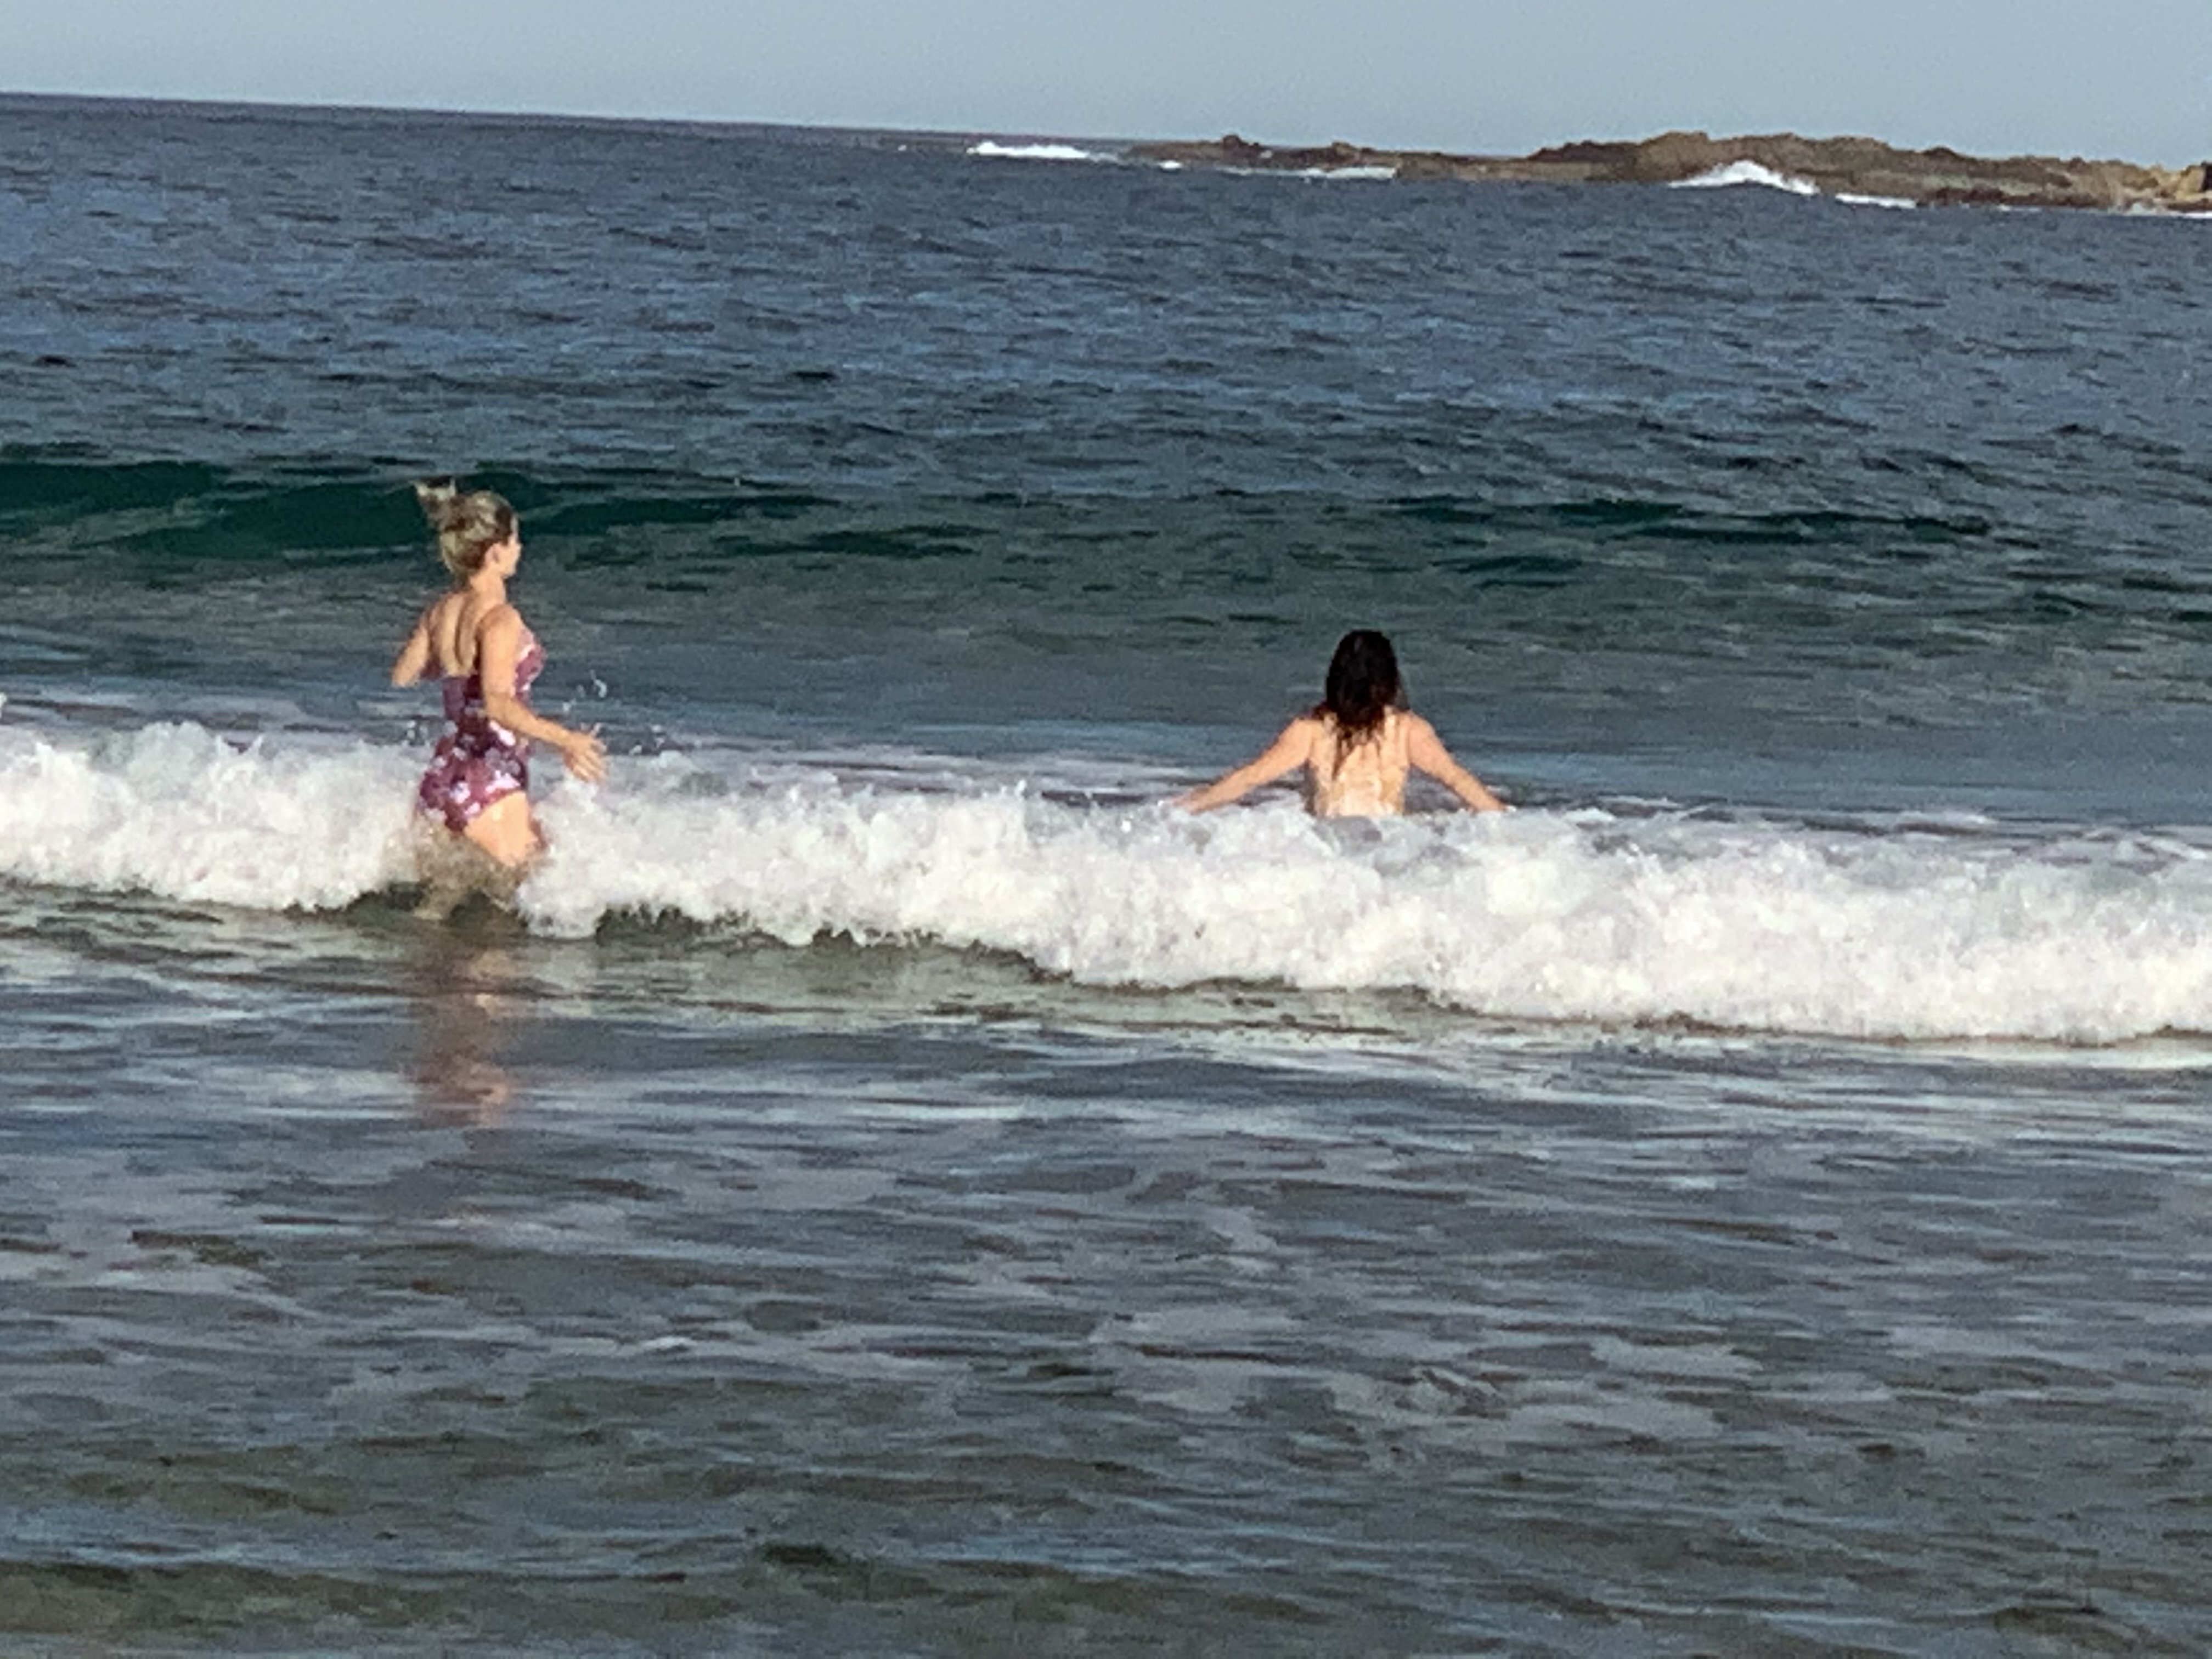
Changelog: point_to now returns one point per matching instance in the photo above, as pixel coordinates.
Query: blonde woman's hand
(585, 756)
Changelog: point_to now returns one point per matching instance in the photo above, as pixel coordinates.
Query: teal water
(893, 1186)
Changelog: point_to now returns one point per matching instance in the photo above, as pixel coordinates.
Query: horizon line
(443, 111)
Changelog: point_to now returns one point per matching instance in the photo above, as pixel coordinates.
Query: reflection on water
(465, 983)
(895, 1301)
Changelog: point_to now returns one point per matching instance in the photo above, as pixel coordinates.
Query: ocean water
(891, 1184)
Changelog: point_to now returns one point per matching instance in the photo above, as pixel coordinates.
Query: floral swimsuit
(478, 761)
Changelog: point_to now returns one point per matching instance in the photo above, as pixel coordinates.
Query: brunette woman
(1357, 744)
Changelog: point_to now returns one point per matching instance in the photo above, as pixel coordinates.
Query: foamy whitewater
(1749, 172)
(1038, 152)
(1879, 927)
(892, 1182)
(1790, 184)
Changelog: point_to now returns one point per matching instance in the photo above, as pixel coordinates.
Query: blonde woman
(1357, 744)
(484, 656)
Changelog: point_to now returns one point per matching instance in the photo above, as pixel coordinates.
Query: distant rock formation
(1835, 167)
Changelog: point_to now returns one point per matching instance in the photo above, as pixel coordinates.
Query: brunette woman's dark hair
(1362, 685)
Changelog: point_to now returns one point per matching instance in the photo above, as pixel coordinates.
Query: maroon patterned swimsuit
(478, 761)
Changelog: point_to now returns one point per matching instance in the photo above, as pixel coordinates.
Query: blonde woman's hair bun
(437, 496)
(468, 523)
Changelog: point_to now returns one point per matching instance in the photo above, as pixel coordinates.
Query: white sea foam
(177, 810)
(1884, 930)
(1369, 173)
(1749, 173)
(1852, 198)
(991, 147)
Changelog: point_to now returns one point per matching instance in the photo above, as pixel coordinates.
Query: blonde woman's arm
(499, 645)
(413, 658)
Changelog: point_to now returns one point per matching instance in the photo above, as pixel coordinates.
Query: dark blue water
(1633, 472)
(893, 1186)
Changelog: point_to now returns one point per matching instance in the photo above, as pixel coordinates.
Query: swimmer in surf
(484, 657)
(1357, 744)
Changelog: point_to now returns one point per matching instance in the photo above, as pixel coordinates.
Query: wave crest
(1892, 930)
(174, 809)
(1041, 150)
(1749, 173)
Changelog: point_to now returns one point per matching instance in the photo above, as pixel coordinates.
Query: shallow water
(473, 1289)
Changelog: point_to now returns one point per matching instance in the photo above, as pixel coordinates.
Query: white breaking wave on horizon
(1035, 152)
(1747, 172)
(1883, 928)
(1364, 170)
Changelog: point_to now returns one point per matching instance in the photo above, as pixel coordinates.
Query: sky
(2132, 80)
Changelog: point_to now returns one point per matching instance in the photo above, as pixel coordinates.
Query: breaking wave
(1749, 173)
(995, 149)
(1888, 929)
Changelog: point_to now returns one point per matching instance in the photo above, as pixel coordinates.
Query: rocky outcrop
(1836, 167)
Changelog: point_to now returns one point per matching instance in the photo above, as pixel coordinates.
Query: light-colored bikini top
(1363, 780)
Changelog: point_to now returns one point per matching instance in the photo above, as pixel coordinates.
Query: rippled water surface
(511, 1295)
(890, 1185)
